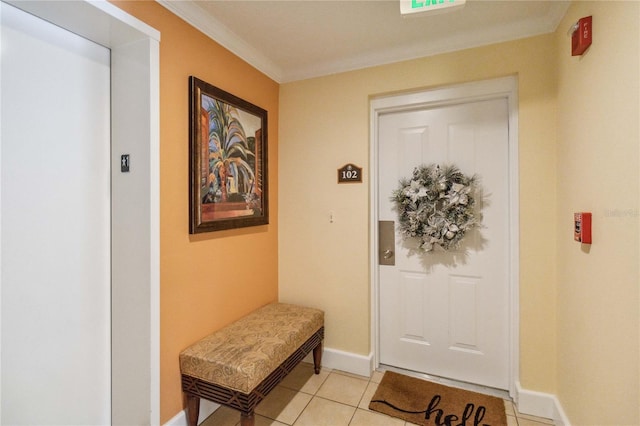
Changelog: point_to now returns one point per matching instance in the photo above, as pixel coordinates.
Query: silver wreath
(436, 206)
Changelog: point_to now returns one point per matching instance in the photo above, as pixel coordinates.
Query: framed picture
(227, 160)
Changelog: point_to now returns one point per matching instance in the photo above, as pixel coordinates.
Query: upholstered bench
(240, 364)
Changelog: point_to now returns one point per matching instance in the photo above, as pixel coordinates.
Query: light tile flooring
(331, 398)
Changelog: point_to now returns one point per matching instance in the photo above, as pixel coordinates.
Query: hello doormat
(431, 404)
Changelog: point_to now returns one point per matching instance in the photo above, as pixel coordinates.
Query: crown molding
(447, 44)
(195, 16)
(217, 31)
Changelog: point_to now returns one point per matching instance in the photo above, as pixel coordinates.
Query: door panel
(447, 313)
(55, 225)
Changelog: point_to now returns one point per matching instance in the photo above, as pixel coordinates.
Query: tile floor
(331, 398)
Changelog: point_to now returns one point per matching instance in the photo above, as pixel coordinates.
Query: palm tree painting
(229, 161)
(230, 170)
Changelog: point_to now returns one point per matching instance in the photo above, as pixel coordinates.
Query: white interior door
(447, 313)
(55, 225)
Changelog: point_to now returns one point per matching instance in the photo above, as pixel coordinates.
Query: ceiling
(295, 40)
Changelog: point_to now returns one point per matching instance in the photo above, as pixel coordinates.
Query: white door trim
(506, 87)
(135, 220)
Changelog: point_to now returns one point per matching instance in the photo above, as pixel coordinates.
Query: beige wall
(324, 124)
(598, 299)
(578, 140)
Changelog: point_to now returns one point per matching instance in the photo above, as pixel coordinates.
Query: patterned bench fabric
(244, 353)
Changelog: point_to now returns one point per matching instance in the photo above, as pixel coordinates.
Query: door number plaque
(350, 173)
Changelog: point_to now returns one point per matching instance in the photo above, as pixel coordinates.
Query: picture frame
(228, 185)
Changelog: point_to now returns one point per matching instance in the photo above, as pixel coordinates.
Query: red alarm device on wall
(581, 36)
(582, 231)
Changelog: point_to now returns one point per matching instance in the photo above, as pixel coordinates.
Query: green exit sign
(420, 6)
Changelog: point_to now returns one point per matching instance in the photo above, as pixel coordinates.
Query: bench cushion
(245, 352)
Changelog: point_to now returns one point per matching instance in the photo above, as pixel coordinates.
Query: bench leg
(247, 419)
(317, 358)
(193, 409)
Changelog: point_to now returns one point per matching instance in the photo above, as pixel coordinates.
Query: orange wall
(210, 279)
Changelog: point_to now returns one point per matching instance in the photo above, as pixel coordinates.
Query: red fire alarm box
(581, 36)
(582, 231)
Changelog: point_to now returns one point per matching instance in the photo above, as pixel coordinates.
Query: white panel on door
(414, 299)
(413, 143)
(463, 313)
(462, 147)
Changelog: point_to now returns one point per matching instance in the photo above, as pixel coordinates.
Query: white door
(447, 313)
(55, 225)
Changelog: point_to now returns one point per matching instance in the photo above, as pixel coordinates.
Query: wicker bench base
(246, 403)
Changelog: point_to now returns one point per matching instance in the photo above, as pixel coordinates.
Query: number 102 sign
(350, 173)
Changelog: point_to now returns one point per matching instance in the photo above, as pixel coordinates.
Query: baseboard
(206, 409)
(346, 361)
(540, 404)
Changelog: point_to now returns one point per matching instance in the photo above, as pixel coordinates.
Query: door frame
(500, 88)
(135, 220)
